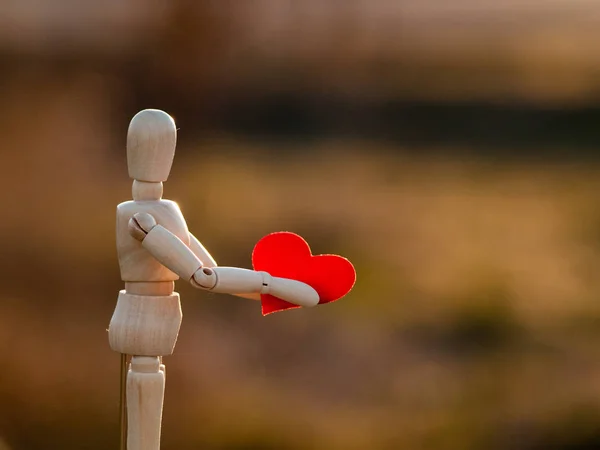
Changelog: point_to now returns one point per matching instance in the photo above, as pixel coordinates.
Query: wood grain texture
(151, 141)
(145, 397)
(148, 315)
(293, 291)
(145, 191)
(135, 262)
(171, 252)
(157, 288)
(201, 252)
(145, 325)
(244, 282)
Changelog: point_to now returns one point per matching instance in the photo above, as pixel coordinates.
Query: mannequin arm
(171, 252)
(233, 280)
(208, 261)
(201, 252)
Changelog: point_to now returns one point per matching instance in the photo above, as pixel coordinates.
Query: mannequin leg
(145, 395)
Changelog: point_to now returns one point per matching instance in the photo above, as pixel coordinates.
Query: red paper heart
(287, 255)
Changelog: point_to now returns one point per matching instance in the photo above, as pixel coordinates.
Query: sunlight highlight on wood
(155, 248)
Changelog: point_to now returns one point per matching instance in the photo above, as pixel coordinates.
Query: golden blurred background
(448, 149)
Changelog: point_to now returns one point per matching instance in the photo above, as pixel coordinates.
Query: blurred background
(448, 149)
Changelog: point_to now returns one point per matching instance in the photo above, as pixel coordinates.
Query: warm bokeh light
(447, 148)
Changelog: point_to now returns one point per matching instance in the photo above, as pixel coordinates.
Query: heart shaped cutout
(287, 255)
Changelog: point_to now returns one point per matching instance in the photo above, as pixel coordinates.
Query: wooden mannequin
(155, 249)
